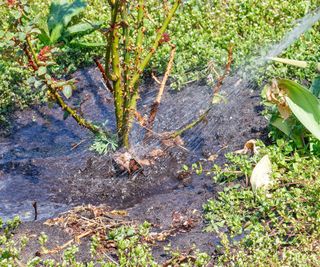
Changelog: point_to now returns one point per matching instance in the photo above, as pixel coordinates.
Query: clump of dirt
(47, 159)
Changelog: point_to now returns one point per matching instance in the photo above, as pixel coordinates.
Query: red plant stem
(104, 75)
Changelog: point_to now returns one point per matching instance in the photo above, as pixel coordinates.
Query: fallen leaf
(250, 146)
(260, 177)
(213, 157)
(123, 160)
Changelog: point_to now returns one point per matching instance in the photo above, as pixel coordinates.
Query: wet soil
(47, 160)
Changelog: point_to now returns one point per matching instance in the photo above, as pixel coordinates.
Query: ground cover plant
(269, 228)
(122, 243)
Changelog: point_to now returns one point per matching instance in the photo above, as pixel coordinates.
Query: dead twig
(155, 106)
(227, 70)
(76, 145)
(155, 78)
(111, 259)
(86, 221)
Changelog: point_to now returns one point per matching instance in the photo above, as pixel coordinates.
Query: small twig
(227, 70)
(140, 118)
(65, 245)
(76, 145)
(155, 78)
(111, 259)
(155, 106)
(19, 263)
(34, 204)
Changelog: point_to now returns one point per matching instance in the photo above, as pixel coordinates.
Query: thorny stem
(129, 106)
(226, 71)
(155, 45)
(116, 69)
(114, 14)
(126, 70)
(192, 124)
(141, 65)
(32, 57)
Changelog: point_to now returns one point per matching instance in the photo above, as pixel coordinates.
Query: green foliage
(59, 26)
(304, 105)
(278, 228)
(103, 145)
(8, 251)
(204, 29)
(284, 97)
(15, 89)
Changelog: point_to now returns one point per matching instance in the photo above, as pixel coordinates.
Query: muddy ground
(47, 160)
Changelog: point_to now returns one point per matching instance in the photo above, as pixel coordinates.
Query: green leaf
(81, 29)
(67, 91)
(86, 45)
(288, 128)
(315, 87)
(22, 36)
(304, 105)
(62, 11)
(60, 14)
(56, 34)
(65, 115)
(44, 37)
(42, 70)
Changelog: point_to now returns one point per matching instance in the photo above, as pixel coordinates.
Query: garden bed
(47, 159)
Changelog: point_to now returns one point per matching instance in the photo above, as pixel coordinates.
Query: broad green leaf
(81, 29)
(67, 91)
(60, 14)
(282, 125)
(44, 36)
(304, 105)
(85, 45)
(315, 87)
(62, 11)
(56, 33)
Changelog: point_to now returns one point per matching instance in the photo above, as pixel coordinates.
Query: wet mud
(47, 160)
